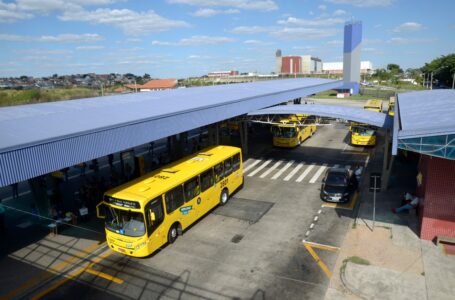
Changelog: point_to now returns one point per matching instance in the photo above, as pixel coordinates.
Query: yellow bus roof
(159, 181)
(373, 103)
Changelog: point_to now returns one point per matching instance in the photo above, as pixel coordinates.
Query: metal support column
(244, 138)
(387, 161)
(217, 133)
(38, 187)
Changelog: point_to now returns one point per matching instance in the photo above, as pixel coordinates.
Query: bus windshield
(284, 132)
(362, 131)
(125, 222)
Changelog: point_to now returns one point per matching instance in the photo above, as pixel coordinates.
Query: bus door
(237, 174)
(192, 190)
(154, 214)
(210, 195)
(176, 208)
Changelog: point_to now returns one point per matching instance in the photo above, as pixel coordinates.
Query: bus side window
(155, 206)
(174, 199)
(207, 180)
(191, 188)
(219, 174)
(228, 166)
(236, 162)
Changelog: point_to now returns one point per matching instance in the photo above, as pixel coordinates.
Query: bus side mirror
(101, 210)
(152, 215)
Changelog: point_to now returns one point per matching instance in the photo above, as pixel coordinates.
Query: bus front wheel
(173, 233)
(224, 197)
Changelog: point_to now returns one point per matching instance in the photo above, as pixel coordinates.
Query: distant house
(120, 90)
(154, 85)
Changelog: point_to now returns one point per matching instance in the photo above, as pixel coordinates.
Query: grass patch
(18, 97)
(356, 260)
(332, 94)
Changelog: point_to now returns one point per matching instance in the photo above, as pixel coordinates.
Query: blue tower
(351, 55)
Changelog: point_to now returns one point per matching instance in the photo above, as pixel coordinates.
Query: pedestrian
(15, 188)
(35, 212)
(110, 158)
(410, 203)
(65, 173)
(82, 166)
(2, 218)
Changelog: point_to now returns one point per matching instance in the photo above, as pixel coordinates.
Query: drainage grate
(237, 238)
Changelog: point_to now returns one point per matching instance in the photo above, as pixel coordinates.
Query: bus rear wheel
(172, 234)
(224, 197)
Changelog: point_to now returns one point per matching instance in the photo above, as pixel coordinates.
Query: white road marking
(271, 169)
(315, 218)
(312, 226)
(305, 173)
(318, 173)
(296, 169)
(260, 168)
(280, 172)
(251, 166)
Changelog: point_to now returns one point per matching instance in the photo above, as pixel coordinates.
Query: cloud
(322, 7)
(197, 40)
(339, 12)
(26, 9)
(9, 13)
(335, 42)
(406, 41)
(209, 12)
(89, 47)
(260, 5)
(249, 29)
(362, 3)
(257, 43)
(301, 33)
(131, 22)
(408, 26)
(68, 38)
(313, 22)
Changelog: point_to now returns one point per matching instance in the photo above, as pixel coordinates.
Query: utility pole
(431, 81)
(453, 81)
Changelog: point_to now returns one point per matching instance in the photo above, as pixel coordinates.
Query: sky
(183, 38)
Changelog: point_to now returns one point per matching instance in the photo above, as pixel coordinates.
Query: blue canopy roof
(334, 111)
(425, 123)
(40, 138)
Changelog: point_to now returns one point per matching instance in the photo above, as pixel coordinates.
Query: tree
(381, 75)
(394, 69)
(146, 76)
(443, 68)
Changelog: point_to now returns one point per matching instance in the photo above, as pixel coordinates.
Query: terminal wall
(437, 210)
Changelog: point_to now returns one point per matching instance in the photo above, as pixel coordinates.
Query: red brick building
(425, 123)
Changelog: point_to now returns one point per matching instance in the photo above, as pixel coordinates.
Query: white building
(366, 67)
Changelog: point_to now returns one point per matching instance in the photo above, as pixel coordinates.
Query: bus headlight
(140, 245)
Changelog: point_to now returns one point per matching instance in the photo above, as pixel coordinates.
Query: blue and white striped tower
(351, 55)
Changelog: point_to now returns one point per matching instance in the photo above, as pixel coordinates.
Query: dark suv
(337, 185)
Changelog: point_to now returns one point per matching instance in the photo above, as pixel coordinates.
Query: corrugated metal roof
(426, 113)
(40, 138)
(334, 111)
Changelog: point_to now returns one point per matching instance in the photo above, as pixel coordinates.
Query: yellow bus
(363, 135)
(150, 211)
(391, 110)
(373, 105)
(291, 133)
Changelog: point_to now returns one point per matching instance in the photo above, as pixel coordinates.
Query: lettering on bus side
(161, 177)
(224, 183)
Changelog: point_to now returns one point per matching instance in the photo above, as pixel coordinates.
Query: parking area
(252, 248)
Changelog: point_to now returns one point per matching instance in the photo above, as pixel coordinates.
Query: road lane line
(296, 169)
(260, 168)
(305, 173)
(51, 271)
(72, 275)
(251, 166)
(105, 276)
(318, 173)
(280, 172)
(263, 175)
